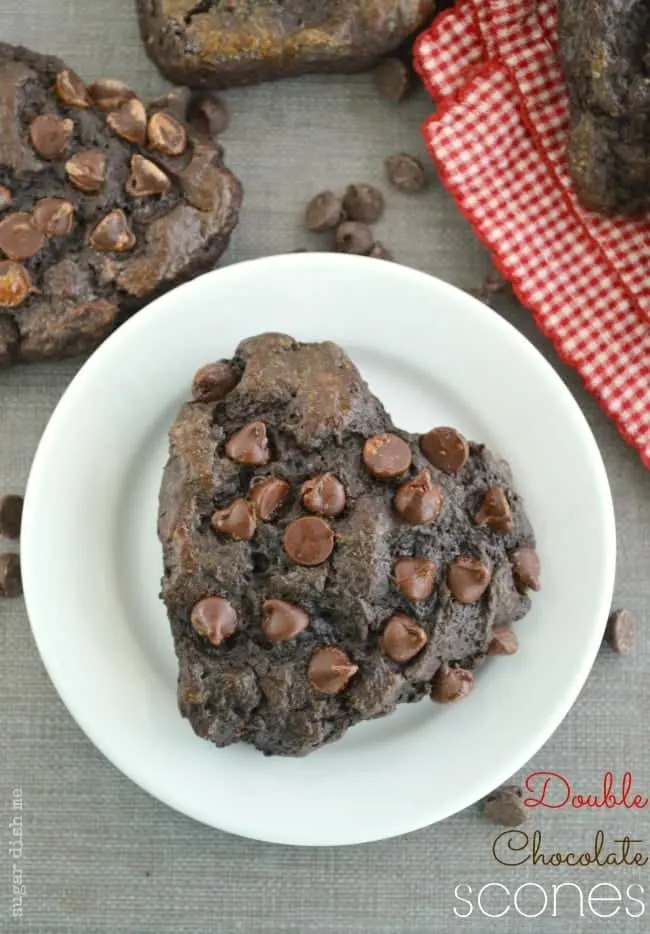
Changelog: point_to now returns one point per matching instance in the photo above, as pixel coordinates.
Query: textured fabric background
(100, 856)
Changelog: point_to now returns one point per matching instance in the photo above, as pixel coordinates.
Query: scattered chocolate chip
(166, 134)
(176, 101)
(415, 577)
(392, 79)
(620, 632)
(282, 620)
(249, 445)
(15, 284)
(468, 579)
(354, 237)
(110, 94)
(87, 170)
(419, 500)
(112, 234)
(363, 202)
(50, 135)
(146, 179)
(20, 238)
(11, 583)
(330, 670)
(494, 282)
(213, 382)
(526, 569)
(405, 172)
(505, 806)
(238, 520)
(495, 511)
(209, 113)
(402, 638)
(323, 212)
(11, 514)
(215, 619)
(451, 684)
(71, 89)
(130, 121)
(445, 448)
(268, 494)
(308, 541)
(386, 455)
(54, 217)
(5, 197)
(379, 251)
(324, 495)
(503, 641)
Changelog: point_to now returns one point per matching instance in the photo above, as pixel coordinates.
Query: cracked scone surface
(319, 416)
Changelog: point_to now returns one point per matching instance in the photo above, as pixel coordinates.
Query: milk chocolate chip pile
(104, 204)
(321, 565)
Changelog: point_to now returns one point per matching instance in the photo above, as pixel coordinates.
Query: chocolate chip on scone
(321, 565)
(104, 204)
(215, 44)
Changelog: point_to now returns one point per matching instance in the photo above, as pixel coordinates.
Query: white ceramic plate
(92, 563)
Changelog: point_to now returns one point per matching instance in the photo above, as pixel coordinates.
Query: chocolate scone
(103, 206)
(322, 566)
(214, 44)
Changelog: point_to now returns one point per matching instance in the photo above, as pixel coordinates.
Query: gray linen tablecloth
(100, 855)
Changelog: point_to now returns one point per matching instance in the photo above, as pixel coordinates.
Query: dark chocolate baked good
(216, 44)
(605, 47)
(320, 565)
(103, 206)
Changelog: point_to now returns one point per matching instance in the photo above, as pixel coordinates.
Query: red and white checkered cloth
(498, 138)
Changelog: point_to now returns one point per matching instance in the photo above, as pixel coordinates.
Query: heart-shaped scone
(322, 566)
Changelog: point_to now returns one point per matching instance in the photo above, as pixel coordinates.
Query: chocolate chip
(5, 197)
(50, 135)
(503, 641)
(323, 212)
(166, 134)
(130, 121)
(405, 172)
(330, 670)
(54, 217)
(494, 282)
(238, 520)
(11, 583)
(15, 284)
(20, 238)
(249, 445)
(620, 632)
(379, 251)
(526, 569)
(505, 806)
(110, 94)
(308, 541)
(209, 113)
(215, 619)
(71, 89)
(146, 178)
(415, 577)
(445, 448)
(324, 495)
(11, 514)
(354, 237)
(451, 684)
(87, 170)
(213, 382)
(176, 101)
(468, 579)
(268, 494)
(495, 511)
(112, 234)
(282, 620)
(419, 500)
(392, 79)
(386, 455)
(402, 638)
(363, 202)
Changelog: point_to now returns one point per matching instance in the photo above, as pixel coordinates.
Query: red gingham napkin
(498, 138)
